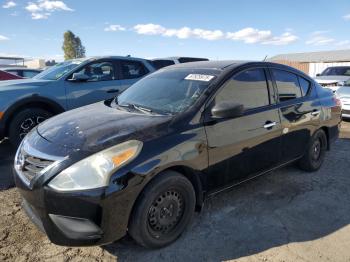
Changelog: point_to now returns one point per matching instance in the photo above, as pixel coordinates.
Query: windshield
(58, 70)
(336, 71)
(168, 91)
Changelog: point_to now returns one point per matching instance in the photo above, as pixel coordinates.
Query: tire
(24, 121)
(163, 210)
(314, 156)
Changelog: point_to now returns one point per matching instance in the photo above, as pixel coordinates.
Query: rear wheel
(24, 121)
(314, 157)
(163, 210)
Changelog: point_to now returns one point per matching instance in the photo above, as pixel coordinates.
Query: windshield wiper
(137, 107)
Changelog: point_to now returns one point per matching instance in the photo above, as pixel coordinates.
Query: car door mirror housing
(318, 74)
(79, 77)
(227, 109)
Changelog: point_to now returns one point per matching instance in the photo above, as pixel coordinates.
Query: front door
(247, 144)
(100, 84)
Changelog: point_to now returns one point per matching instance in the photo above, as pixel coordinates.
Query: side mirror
(227, 109)
(79, 77)
(318, 74)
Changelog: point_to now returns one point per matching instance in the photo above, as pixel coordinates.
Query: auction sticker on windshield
(199, 77)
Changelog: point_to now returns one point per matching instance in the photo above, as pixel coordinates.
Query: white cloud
(318, 38)
(42, 9)
(9, 4)
(37, 16)
(3, 38)
(114, 28)
(346, 17)
(344, 42)
(149, 29)
(181, 33)
(251, 35)
(248, 35)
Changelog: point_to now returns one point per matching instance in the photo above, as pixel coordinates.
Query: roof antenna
(265, 58)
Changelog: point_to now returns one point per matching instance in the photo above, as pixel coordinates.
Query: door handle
(112, 91)
(315, 113)
(269, 125)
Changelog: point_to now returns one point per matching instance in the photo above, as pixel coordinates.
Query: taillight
(336, 100)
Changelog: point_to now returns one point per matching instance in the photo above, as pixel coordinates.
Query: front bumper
(86, 218)
(345, 112)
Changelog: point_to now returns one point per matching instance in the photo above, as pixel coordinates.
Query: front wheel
(315, 154)
(163, 210)
(24, 121)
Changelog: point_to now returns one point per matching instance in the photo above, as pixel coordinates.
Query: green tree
(72, 46)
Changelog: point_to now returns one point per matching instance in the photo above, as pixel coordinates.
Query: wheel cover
(317, 149)
(28, 124)
(165, 213)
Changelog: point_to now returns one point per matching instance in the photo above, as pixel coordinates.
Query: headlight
(95, 171)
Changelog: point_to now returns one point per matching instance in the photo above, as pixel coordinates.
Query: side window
(305, 85)
(29, 74)
(132, 69)
(101, 71)
(248, 88)
(14, 72)
(287, 85)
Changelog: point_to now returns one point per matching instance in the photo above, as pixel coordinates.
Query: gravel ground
(287, 215)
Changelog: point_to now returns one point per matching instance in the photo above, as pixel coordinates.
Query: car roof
(20, 68)
(111, 57)
(178, 57)
(219, 64)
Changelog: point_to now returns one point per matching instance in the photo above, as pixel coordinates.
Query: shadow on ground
(7, 153)
(278, 209)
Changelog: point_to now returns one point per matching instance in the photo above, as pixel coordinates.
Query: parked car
(163, 62)
(344, 95)
(8, 76)
(142, 163)
(333, 77)
(67, 85)
(23, 72)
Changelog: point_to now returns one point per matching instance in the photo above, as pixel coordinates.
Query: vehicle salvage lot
(288, 215)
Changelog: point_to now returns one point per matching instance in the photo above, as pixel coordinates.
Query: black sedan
(144, 162)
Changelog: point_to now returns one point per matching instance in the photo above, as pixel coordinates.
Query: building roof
(323, 56)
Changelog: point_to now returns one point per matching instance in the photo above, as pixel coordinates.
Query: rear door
(299, 108)
(130, 72)
(248, 144)
(102, 84)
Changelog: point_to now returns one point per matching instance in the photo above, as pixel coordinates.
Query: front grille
(30, 163)
(32, 166)
(345, 112)
(329, 84)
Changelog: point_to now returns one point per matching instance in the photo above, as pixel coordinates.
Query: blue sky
(219, 29)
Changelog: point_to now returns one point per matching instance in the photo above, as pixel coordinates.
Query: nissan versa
(143, 163)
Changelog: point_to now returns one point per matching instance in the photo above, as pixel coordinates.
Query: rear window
(305, 85)
(287, 85)
(158, 64)
(132, 69)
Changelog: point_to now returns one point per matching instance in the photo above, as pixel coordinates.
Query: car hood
(331, 79)
(22, 83)
(344, 91)
(98, 126)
